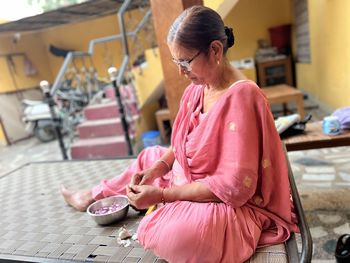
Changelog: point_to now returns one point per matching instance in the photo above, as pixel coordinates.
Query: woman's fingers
(128, 190)
(148, 177)
(136, 179)
(145, 177)
(143, 180)
(137, 196)
(132, 196)
(136, 189)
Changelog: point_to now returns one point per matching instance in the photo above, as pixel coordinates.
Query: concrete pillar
(164, 13)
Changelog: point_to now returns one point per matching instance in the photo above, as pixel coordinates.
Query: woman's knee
(172, 240)
(149, 155)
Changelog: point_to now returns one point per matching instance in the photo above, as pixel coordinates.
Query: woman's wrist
(164, 164)
(162, 200)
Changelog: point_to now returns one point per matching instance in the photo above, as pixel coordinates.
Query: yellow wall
(72, 36)
(214, 4)
(223, 7)
(250, 20)
(146, 83)
(327, 76)
(32, 46)
(148, 78)
(2, 137)
(77, 37)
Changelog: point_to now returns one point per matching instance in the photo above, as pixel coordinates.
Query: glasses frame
(186, 64)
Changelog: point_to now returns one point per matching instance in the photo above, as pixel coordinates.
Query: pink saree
(236, 152)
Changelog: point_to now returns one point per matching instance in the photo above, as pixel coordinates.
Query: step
(105, 127)
(108, 110)
(101, 111)
(127, 92)
(100, 128)
(130, 106)
(98, 148)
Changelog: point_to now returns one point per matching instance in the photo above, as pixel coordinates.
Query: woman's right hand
(145, 177)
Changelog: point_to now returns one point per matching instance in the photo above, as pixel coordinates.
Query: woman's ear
(217, 48)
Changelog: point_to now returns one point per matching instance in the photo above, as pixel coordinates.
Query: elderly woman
(224, 180)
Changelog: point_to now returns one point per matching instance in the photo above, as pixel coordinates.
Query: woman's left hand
(143, 196)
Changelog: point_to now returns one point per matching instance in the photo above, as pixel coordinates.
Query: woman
(224, 179)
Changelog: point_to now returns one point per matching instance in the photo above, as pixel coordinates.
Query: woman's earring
(218, 62)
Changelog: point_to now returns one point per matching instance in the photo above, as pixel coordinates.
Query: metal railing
(121, 37)
(117, 79)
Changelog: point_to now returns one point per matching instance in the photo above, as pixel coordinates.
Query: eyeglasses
(186, 64)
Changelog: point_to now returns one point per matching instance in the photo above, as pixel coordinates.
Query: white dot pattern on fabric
(257, 200)
(266, 163)
(232, 126)
(247, 181)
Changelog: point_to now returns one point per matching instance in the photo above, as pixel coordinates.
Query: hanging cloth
(59, 52)
(29, 68)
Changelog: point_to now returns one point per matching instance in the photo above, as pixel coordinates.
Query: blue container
(331, 125)
(151, 138)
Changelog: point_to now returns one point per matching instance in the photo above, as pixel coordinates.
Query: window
(302, 31)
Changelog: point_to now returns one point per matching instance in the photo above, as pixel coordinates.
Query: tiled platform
(36, 223)
(37, 226)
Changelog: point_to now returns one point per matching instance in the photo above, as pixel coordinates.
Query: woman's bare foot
(79, 199)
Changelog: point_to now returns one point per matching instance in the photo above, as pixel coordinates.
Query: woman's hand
(145, 177)
(143, 196)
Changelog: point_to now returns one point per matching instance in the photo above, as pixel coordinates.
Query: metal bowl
(110, 217)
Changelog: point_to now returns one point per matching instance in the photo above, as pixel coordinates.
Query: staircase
(101, 135)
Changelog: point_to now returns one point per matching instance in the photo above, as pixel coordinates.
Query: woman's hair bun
(230, 36)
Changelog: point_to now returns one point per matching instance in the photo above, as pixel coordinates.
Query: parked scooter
(37, 116)
(38, 120)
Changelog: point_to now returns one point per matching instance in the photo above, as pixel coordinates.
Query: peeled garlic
(124, 233)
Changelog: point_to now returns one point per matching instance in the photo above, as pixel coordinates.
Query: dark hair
(197, 26)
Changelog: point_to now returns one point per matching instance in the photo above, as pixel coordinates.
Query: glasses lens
(185, 65)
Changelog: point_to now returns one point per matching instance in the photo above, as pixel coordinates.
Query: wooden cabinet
(275, 72)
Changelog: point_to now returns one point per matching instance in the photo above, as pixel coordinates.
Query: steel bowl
(110, 217)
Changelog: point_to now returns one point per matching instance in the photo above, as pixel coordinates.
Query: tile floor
(322, 177)
(323, 180)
